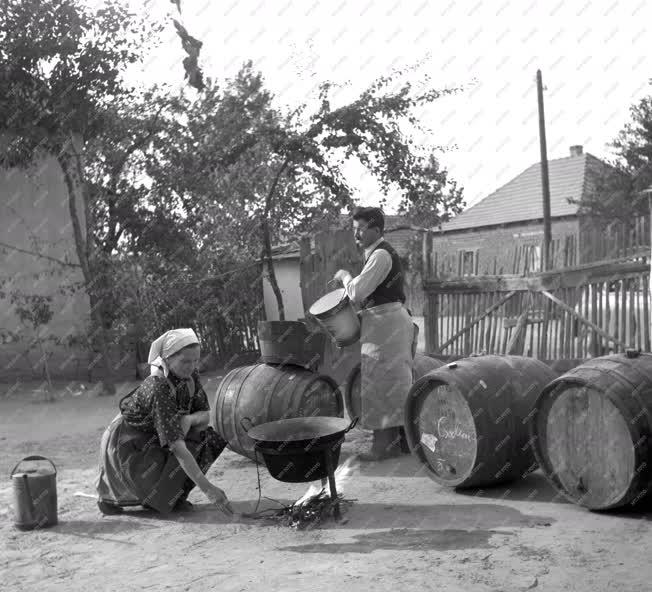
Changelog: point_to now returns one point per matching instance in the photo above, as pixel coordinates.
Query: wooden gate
(575, 313)
(320, 259)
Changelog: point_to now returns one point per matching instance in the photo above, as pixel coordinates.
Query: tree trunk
(266, 257)
(267, 260)
(70, 162)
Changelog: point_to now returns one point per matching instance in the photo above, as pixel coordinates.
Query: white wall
(288, 277)
(35, 218)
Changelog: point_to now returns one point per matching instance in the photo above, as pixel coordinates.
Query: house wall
(34, 216)
(288, 277)
(495, 246)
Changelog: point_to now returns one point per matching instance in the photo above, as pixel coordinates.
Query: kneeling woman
(160, 444)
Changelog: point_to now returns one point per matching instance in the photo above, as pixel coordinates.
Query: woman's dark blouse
(155, 408)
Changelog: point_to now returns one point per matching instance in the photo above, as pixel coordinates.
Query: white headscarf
(166, 345)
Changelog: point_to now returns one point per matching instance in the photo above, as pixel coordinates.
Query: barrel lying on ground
(262, 393)
(422, 365)
(592, 430)
(467, 422)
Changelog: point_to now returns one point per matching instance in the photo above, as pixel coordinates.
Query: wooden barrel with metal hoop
(592, 431)
(467, 422)
(263, 393)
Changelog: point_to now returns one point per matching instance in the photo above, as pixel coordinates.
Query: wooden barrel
(591, 431)
(290, 343)
(467, 421)
(422, 365)
(264, 393)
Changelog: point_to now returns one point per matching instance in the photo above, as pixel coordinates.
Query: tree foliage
(61, 74)
(617, 190)
(268, 174)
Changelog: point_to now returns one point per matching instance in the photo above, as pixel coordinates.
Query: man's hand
(342, 275)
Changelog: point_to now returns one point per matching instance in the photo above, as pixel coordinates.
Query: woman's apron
(387, 338)
(135, 470)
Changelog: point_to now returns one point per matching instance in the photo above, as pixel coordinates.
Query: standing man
(387, 334)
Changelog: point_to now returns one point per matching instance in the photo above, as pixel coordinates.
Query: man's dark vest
(391, 288)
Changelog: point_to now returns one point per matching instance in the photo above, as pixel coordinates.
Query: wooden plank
(426, 254)
(639, 320)
(623, 310)
(481, 332)
(572, 277)
(571, 297)
(545, 327)
(516, 341)
(633, 314)
(433, 324)
(617, 310)
(585, 331)
(458, 308)
(598, 296)
(569, 310)
(607, 310)
(646, 311)
(443, 312)
(486, 323)
(475, 321)
(562, 328)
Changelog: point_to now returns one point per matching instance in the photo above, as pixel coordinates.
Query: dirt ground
(402, 531)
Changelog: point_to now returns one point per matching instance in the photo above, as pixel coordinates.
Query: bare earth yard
(403, 532)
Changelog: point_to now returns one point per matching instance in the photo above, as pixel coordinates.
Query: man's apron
(386, 338)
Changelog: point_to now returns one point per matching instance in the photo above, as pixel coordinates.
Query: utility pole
(648, 192)
(545, 182)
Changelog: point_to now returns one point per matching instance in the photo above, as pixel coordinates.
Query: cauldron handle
(244, 427)
(353, 423)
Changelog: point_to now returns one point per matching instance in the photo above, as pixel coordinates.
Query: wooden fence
(579, 312)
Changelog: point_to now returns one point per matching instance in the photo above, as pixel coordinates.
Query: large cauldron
(301, 449)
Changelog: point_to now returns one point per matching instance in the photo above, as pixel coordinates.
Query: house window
(532, 258)
(467, 262)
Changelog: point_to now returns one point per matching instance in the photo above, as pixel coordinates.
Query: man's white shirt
(377, 266)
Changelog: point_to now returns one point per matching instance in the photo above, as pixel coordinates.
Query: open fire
(315, 505)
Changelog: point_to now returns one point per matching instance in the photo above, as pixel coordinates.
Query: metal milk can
(35, 495)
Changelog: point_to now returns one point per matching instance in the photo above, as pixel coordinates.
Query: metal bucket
(335, 313)
(35, 495)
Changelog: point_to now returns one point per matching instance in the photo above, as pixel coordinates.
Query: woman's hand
(216, 496)
(200, 419)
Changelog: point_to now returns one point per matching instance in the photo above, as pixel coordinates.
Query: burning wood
(316, 505)
(311, 512)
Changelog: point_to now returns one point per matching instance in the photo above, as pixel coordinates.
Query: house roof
(520, 200)
(289, 250)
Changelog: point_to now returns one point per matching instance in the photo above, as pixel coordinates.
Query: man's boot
(386, 444)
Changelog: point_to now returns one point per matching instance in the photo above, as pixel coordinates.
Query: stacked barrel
(492, 419)
(284, 385)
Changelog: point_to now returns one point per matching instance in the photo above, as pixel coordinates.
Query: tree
(60, 75)
(433, 197)
(35, 313)
(269, 175)
(617, 188)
